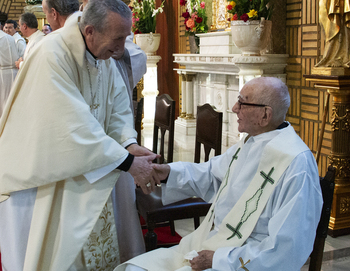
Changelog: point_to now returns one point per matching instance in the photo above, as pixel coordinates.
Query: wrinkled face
(249, 117)
(112, 39)
(9, 29)
(46, 30)
(51, 16)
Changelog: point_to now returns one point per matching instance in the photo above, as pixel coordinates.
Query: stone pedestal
(339, 89)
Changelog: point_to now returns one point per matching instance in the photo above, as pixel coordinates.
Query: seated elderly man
(265, 193)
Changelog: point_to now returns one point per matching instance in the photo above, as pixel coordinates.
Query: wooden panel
(305, 45)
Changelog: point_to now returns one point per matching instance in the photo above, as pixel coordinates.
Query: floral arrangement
(144, 16)
(33, 2)
(249, 9)
(195, 17)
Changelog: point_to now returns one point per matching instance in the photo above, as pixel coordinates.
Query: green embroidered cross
(243, 264)
(235, 230)
(235, 157)
(267, 177)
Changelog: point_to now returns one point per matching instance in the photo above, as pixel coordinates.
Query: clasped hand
(141, 168)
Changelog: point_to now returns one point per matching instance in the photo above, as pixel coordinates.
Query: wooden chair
(138, 110)
(327, 186)
(150, 207)
(164, 120)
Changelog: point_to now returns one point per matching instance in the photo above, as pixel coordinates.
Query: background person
(28, 25)
(8, 71)
(46, 29)
(10, 28)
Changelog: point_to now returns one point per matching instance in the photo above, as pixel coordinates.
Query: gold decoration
(344, 205)
(220, 15)
(342, 165)
(102, 245)
(334, 17)
(343, 121)
(243, 264)
(189, 116)
(139, 88)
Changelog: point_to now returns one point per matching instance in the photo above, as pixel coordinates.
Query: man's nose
(235, 108)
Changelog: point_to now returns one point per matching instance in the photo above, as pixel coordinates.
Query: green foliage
(255, 9)
(144, 16)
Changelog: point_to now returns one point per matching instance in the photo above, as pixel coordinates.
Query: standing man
(8, 71)
(131, 64)
(58, 11)
(78, 137)
(46, 29)
(265, 194)
(10, 28)
(28, 24)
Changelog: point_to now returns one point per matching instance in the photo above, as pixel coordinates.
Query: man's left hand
(203, 261)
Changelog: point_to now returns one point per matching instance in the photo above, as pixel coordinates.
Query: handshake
(146, 174)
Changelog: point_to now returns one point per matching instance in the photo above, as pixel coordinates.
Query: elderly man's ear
(267, 117)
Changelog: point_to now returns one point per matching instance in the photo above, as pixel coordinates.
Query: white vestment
(283, 235)
(131, 66)
(20, 43)
(8, 70)
(51, 141)
(33, 39)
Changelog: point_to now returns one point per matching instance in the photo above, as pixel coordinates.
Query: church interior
(196, 68)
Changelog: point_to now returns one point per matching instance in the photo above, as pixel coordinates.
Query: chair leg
(196, 222)
(172, 227)
(150, 237)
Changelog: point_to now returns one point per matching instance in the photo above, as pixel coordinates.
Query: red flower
(131, 8)
(245, 17)
(228, 19)
(199, 20)
(137, 31)
(229, 7)
(183, 2)
(235, 17)
(186, 15)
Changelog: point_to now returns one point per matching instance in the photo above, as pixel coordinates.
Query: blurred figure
(8, 71)
(57, 12)
(29, 28)
(46, 29)
(10, 28)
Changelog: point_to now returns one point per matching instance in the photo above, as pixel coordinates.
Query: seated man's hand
(138, 150)
(144, 175)
(203, 261)
(162, 170)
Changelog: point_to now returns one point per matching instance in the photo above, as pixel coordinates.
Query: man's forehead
(9, 25)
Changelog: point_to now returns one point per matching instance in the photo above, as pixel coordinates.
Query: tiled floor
(337, 250)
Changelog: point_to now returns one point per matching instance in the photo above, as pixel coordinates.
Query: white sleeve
(293, 213)
(190, 179)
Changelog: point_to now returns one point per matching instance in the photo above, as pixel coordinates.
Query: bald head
(273, 92)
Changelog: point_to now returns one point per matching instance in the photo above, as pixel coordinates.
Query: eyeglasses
(251, 104)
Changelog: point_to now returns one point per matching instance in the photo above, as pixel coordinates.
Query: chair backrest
(138, 110)
(327, 186)
(164, 120)
(208, 131)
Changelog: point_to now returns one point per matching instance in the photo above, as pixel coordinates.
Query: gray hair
(29, 19)
(96, 11)
(274, 93)
(63, 7)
